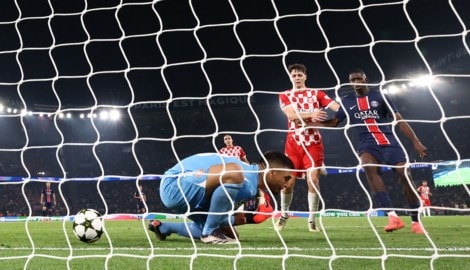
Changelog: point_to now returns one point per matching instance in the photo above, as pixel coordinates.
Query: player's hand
(319, 115)
(421, 149)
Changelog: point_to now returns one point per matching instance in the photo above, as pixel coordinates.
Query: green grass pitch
(345, 243)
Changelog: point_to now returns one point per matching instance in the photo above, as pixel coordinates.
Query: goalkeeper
(207, 187)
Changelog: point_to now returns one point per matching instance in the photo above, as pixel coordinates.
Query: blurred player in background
(424, 192)
(369, 111)
(48, 200)
(303, 146)
(233, 150)
(207, 185)
(140, 198)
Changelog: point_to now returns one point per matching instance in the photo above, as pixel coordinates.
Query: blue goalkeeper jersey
(199, 164)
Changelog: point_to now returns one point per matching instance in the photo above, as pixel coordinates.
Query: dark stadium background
(241, 95)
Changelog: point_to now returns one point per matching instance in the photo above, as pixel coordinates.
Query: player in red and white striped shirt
(233, 150)
(303, 106)
(424, 192)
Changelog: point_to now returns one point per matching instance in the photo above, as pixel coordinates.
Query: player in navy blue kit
(140, 199)
(206, 186)
(47, 200)
(368, 111)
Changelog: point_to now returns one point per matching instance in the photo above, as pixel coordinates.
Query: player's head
(358, 79)
(425, 183)
(48, 184)
(298, 75)
(279, 173)
(228, 140)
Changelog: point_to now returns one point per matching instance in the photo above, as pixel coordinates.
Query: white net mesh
(101, 96)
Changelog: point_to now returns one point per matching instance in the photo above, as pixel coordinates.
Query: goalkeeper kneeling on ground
(253, 211)
(208, 188)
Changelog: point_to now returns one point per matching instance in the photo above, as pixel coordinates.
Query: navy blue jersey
(48, 193)
(138, 197)
(371, 112)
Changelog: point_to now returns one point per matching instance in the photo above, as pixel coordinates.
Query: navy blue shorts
(390, 154)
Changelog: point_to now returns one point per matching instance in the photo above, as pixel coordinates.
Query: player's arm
(333, 122)
(54, 198)
(406, 129)
(294, 115)
(42, 198)
(244, 159)
(262, 211)
(243, 156)
(334, 106)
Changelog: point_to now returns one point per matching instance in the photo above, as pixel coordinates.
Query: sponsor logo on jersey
(367, 115)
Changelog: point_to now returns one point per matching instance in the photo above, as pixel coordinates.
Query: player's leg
(164, 229)
(428, 205)
(287, 194)
(44, 208)
(376, 184)
(413, 200)
(423, 204)
(175, 192)
(221, 191)
(313, 161)
(313, 197)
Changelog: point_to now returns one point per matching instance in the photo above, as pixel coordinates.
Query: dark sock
(383, 199)
(414, 211)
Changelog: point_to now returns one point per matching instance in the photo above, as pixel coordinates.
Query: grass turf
(345, 243)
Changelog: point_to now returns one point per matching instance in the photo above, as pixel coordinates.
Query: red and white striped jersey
(424, 191)
(233, 151)
(305, 101)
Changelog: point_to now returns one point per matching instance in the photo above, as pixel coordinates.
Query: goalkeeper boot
(281, 222)
(154, 227)
(394, 223)
(312, 227)
(217, 237)
(417, 228)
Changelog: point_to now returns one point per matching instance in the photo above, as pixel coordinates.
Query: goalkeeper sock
(286, 200)
(220, 203)
(313, 202)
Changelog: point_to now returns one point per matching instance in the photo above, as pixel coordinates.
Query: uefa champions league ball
(88, 225)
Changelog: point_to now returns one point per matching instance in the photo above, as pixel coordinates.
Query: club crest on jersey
(374, 104)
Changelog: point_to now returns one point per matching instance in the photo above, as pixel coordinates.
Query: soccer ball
(88, 225)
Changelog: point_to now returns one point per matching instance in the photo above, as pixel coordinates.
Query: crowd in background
(160, 145)
(339, 191)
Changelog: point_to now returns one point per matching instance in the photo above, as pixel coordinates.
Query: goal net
(101, 97)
